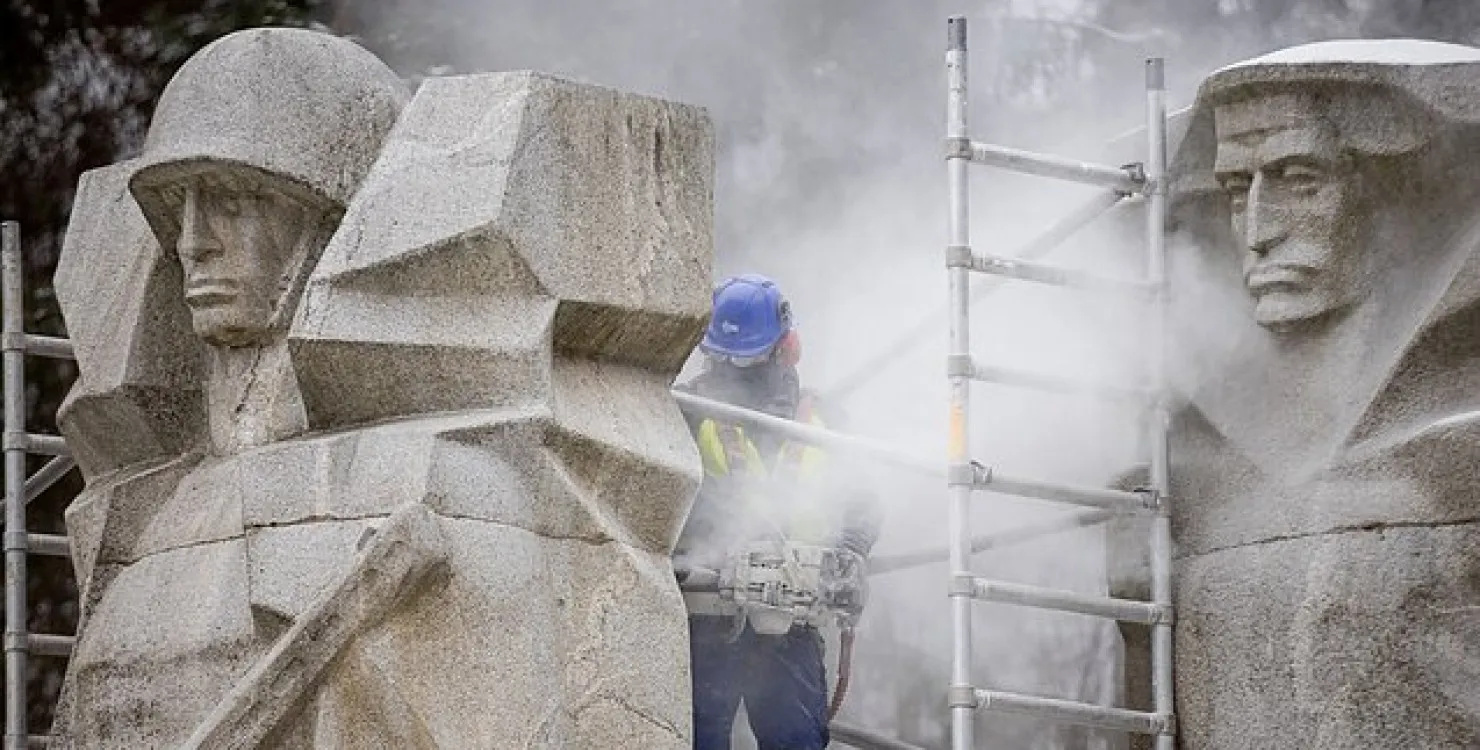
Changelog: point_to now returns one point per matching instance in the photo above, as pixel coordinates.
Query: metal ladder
(966, 477)
(21, 490)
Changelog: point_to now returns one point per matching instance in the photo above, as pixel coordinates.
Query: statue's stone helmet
(1385, 97)
(256, 146)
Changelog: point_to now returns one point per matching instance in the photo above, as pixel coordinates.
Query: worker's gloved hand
(845, 582)
(856, 541)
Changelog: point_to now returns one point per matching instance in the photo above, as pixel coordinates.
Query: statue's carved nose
(196, 240)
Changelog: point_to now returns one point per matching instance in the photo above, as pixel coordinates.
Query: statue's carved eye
(1237, 186)
(233, 204)
(1302, 178)
(174, 195)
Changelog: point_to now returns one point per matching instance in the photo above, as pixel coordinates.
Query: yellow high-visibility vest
(790, 492)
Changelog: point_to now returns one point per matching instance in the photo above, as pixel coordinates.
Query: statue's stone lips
(1278, 276)
(208, 292)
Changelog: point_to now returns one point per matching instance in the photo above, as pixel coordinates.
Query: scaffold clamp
(963, 696)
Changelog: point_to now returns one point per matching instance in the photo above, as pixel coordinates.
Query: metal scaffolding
(15, 343)
(965, 477)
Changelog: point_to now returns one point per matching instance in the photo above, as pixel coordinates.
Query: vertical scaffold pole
(962, 694)
(12, 311)
(1161, 538)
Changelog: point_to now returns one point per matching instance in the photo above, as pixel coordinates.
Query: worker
(758, 485)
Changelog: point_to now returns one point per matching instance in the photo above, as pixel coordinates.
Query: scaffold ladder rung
(42, 644)
(1123, 610)
(1016, 378)
(1074, 712)
(1126, 179)
(1044, 273)
(50, 545)
(39, 346)
(984, 479)
(47, 445)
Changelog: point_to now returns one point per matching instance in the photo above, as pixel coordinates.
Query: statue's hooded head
(1325, 229)
(1331, 167)
(256, 146)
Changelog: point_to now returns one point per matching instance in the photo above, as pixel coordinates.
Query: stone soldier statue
(1325, 504)
(373, 410)
(256, 146)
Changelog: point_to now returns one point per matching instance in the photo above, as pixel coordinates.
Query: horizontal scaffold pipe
(865, 740)
(49, 346)
(47, 445)
(1072, 712)
(42, 644)
(1123, 179)
(1015, 378)
(52, 545)
(1137, 502)
(809, 434)
(1123, 610)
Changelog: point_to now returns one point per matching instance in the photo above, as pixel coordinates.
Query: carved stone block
(435, 473)
(138, 397)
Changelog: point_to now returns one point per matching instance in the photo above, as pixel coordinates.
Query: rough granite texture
(567, 213)
(432, 476)
(140, 369)
(1326, 508)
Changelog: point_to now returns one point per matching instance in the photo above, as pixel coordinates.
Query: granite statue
(373, 409)
(1326, 254)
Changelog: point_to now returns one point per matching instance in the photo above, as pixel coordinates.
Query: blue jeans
(781, 678)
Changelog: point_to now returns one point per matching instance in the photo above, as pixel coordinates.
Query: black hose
(845, 671)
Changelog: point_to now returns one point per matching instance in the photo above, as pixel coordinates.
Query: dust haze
(829, 117)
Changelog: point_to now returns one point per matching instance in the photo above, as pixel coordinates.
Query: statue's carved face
(240, 244)
(1294, 203)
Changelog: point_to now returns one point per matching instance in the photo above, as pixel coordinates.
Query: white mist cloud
(830, 117)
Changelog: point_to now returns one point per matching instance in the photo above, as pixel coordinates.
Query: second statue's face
(1294, 204)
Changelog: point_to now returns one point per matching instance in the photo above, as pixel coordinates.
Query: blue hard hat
(750, 315)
